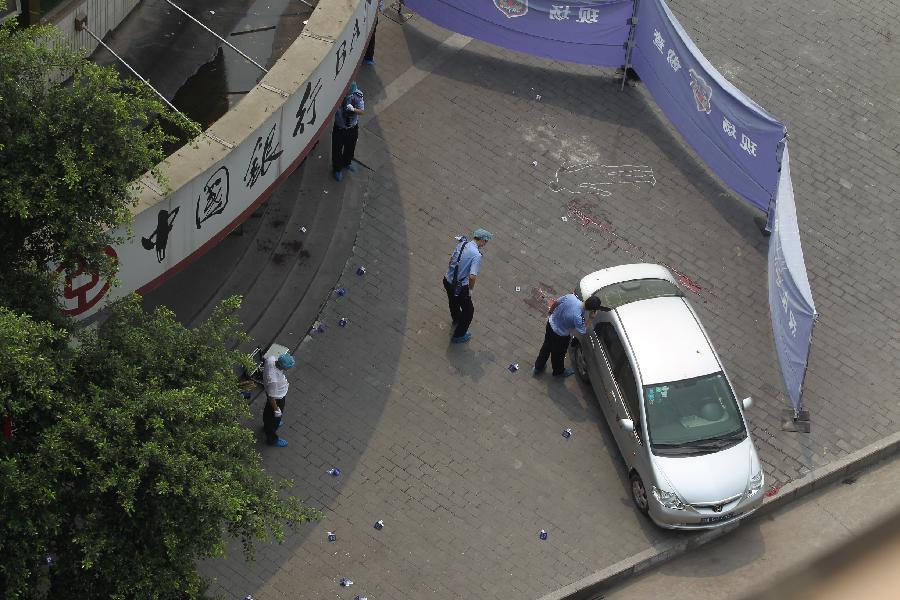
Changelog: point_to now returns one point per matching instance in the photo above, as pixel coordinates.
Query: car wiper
(734, 435)
(678, 449)
(718, 442)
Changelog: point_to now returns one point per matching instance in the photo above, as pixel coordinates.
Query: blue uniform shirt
(568, 315)
(342, 117)
(468, 264)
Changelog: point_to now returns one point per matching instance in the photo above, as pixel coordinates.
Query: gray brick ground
(463, 460)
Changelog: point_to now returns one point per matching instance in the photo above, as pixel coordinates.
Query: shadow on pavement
(571, 405)
(469, 363)
(632, 108)
(341, 384)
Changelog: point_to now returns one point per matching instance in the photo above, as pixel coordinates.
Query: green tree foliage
(128, 460)
(73, 138)
(33, 359)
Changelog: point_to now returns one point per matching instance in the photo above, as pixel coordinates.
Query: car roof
(604, 277)
(667, 341)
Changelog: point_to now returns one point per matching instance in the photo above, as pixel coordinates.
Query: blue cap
(482, 234)
(354, 89)
(286, 361)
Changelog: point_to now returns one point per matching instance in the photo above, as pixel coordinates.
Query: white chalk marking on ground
(586, 178)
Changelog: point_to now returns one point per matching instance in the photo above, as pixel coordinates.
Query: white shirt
(274, 379)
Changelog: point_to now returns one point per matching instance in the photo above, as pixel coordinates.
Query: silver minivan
(667, 400)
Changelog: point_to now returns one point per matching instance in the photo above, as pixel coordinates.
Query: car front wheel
(639, 493)
(580, 364)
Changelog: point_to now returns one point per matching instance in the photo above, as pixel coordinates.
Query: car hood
(710, 477)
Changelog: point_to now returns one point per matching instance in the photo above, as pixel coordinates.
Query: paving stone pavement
(462, 459)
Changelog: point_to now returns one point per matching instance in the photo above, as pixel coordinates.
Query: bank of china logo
(512, 8)
(702, 92)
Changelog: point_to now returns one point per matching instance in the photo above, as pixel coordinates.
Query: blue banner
(588, 32)
(733, 135)
(790, 298)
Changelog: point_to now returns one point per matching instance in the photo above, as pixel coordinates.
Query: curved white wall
(220, 178)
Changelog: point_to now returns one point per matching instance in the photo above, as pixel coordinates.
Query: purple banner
(790, 298)
(733, 135)
(592, 33)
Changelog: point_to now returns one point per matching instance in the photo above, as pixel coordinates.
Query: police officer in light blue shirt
(465, 262)
(566, 317)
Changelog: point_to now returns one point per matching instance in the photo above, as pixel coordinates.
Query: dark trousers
(461, 308)
(270, 421)
(343, 145)
(554, 348)
(370, 50)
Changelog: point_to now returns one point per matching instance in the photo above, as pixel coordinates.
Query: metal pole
(136, 74)
(307, 3)
(220, 38)
(806, 365)
(770, 212)
(629, 45)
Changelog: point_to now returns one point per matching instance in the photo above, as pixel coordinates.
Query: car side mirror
(626, 424)
(747, 402)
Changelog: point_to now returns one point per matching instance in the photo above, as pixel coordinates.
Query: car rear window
(619, 294)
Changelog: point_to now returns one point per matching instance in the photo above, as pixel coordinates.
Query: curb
(592, 585)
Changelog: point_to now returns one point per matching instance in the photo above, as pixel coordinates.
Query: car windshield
(619, 294)
(699, 412)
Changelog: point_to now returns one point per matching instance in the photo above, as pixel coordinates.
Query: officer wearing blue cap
(465, 262)
(346, 131)
(276, 385)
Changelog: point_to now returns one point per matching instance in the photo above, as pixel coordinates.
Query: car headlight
(667, 499)
(756, 483)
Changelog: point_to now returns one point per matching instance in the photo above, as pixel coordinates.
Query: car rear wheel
(639, 493)
(580, 364)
